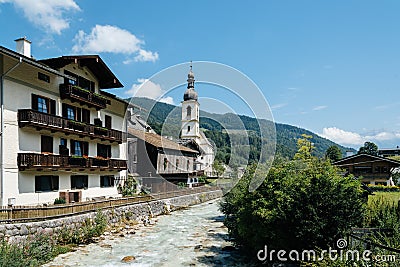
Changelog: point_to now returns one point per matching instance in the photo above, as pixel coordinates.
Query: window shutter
(37, 183)
(85, 115)
(78, 115)
(34, 102)
(85, 148)
(64, 110)
(109, 151)
(52, 107)
(54, 183)
(107, 122)
(72, 147)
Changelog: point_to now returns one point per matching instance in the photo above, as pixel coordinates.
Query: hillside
(165, 120)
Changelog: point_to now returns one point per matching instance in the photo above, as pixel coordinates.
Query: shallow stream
(191, 237)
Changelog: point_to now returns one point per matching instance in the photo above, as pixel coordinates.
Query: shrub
(59, 201)
(302, 204)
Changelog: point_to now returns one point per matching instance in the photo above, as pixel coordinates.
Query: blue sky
(332, 67)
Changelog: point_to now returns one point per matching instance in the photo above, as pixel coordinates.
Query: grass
(388, 197)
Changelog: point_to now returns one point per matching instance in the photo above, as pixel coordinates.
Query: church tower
(190, 127)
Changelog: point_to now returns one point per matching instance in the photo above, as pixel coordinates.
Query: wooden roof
(159, 141)
(94, 63)
(364, 158)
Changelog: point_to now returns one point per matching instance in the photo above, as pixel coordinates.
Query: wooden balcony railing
(39, 120)
(83, 96)
(29, 161)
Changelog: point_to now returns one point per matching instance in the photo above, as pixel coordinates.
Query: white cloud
(111, 39)
(49, 15)
(278, 106)
(350, 138)
(149, 89)
(319, 108)
(146, 56)
(168, 100)
(342, 137)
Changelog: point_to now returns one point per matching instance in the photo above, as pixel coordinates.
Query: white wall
(18, 88)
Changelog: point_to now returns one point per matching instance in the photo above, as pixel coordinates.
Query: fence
(28, 213)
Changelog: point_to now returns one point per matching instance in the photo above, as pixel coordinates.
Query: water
(192, 237)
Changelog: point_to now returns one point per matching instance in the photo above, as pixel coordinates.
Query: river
(190, 237)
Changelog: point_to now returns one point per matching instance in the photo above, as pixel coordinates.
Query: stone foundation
(139, 212)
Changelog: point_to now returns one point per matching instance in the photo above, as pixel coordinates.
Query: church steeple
(190, 93)
(190, 128)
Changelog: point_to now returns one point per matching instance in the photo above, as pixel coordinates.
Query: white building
(61, 135)
(191, 134)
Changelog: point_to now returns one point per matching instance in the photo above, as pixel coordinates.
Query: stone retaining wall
(139, 212)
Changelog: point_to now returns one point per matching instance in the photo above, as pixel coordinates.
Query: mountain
(229, 129)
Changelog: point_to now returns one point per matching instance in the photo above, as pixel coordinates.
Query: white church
(191, 135)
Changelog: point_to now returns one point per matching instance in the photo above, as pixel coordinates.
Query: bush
(59, 201)
(300, 205)
(84, 234)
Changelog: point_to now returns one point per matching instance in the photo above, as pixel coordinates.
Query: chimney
(23, 46)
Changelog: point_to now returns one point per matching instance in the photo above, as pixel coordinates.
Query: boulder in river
(128, 259)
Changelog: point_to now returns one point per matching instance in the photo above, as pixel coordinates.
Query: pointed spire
(190, 93)
(190, 79)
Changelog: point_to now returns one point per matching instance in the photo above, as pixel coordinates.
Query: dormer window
(79, 81)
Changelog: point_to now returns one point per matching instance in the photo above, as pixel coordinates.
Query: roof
(94, 63)
(32, 62)
(159, 141)
(342, 162)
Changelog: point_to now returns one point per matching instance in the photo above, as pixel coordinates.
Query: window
(79, 181)
(177, 164)
(85, 115)
(104, 151)
(188, 128)
(107, 121)
(187, 164)
(63, 150)
(107, 181)
(70, 113)
(79, 148)
(165, 163)
(189, 111)
(46, 183)
(46, 144)
(43, 104)
(80, 81)
(43, 77)
(63, 142)
(70, 81)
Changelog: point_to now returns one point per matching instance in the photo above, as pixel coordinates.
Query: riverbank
(188, 237)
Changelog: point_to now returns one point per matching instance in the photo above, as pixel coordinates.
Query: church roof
(159, 141)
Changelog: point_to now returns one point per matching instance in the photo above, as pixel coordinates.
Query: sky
(332, 67)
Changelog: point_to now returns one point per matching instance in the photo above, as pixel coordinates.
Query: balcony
(33, 161)
(39, 120)
(83, 96)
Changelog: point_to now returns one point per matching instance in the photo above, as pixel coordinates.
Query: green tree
(302, 204)
(304, 147)
(369, 148)
(333, 153)
(218, 168)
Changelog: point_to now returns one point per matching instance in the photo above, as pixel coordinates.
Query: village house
(62, 135)
(374, 170)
